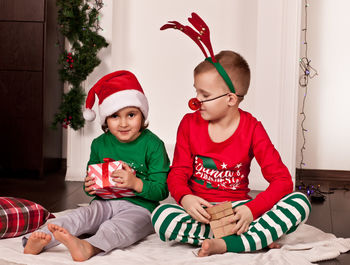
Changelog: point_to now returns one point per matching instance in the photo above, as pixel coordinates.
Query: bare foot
(36, 242)
(80, 250)
(274, 245)
(212, 246)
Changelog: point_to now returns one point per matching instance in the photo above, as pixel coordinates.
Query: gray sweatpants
(112, 224)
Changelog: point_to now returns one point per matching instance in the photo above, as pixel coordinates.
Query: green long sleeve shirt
(146, 155)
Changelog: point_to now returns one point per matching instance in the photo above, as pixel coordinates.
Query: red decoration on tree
(69, 60)
(66, 122)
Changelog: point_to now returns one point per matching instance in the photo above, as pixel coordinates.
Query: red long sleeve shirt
(219, 172)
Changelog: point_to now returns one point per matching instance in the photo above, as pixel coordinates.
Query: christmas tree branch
(79, 23)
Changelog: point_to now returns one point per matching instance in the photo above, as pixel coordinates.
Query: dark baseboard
(322, 174)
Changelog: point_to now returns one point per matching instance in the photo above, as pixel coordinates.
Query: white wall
(328, 100)
(164, 60)
(78, 142)
(266, 34)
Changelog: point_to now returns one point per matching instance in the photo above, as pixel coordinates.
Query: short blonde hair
(235, 66)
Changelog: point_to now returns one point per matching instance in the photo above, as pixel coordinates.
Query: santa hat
(115, 91)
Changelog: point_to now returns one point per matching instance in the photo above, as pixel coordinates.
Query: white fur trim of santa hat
(122, 99)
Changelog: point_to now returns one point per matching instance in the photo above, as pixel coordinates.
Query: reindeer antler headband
(202, 36)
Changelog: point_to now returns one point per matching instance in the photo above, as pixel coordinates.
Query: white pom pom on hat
(115, 91)
(89, 114)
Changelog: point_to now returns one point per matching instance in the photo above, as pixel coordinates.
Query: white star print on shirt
(239, 165)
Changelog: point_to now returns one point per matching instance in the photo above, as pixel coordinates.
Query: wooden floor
(52, 192)
(55, 194)
(332, 215)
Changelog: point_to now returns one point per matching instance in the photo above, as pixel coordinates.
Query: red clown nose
(194, 104)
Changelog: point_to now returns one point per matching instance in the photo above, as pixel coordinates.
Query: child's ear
(233, 99)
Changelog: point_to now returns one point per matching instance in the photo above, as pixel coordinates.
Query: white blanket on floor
(307, 244)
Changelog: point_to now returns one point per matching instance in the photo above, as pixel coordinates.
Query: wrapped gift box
(220, 222)
(104, 184)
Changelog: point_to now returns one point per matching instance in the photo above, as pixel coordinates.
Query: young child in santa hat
(114, 223)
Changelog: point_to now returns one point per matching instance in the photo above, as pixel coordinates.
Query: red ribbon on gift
(105, 178)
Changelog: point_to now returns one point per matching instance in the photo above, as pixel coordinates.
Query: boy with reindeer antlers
(214, 149)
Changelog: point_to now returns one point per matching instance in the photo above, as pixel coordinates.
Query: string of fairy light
(307, 73)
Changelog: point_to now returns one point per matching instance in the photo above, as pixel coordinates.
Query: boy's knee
(158, 216)
(156, 212)
(296, 195)
(163, 210)
(157, 220)
(301, 202)
(301, 196)
(162, 218)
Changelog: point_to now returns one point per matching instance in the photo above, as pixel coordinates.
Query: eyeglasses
(195, 104)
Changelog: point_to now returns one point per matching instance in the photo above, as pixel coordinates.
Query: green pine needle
(79, 24)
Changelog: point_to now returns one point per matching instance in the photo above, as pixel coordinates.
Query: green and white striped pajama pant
(172, 222)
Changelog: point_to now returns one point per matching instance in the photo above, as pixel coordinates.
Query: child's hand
(126, 178)
(193, 206)
(244, 217)
(89, 181)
